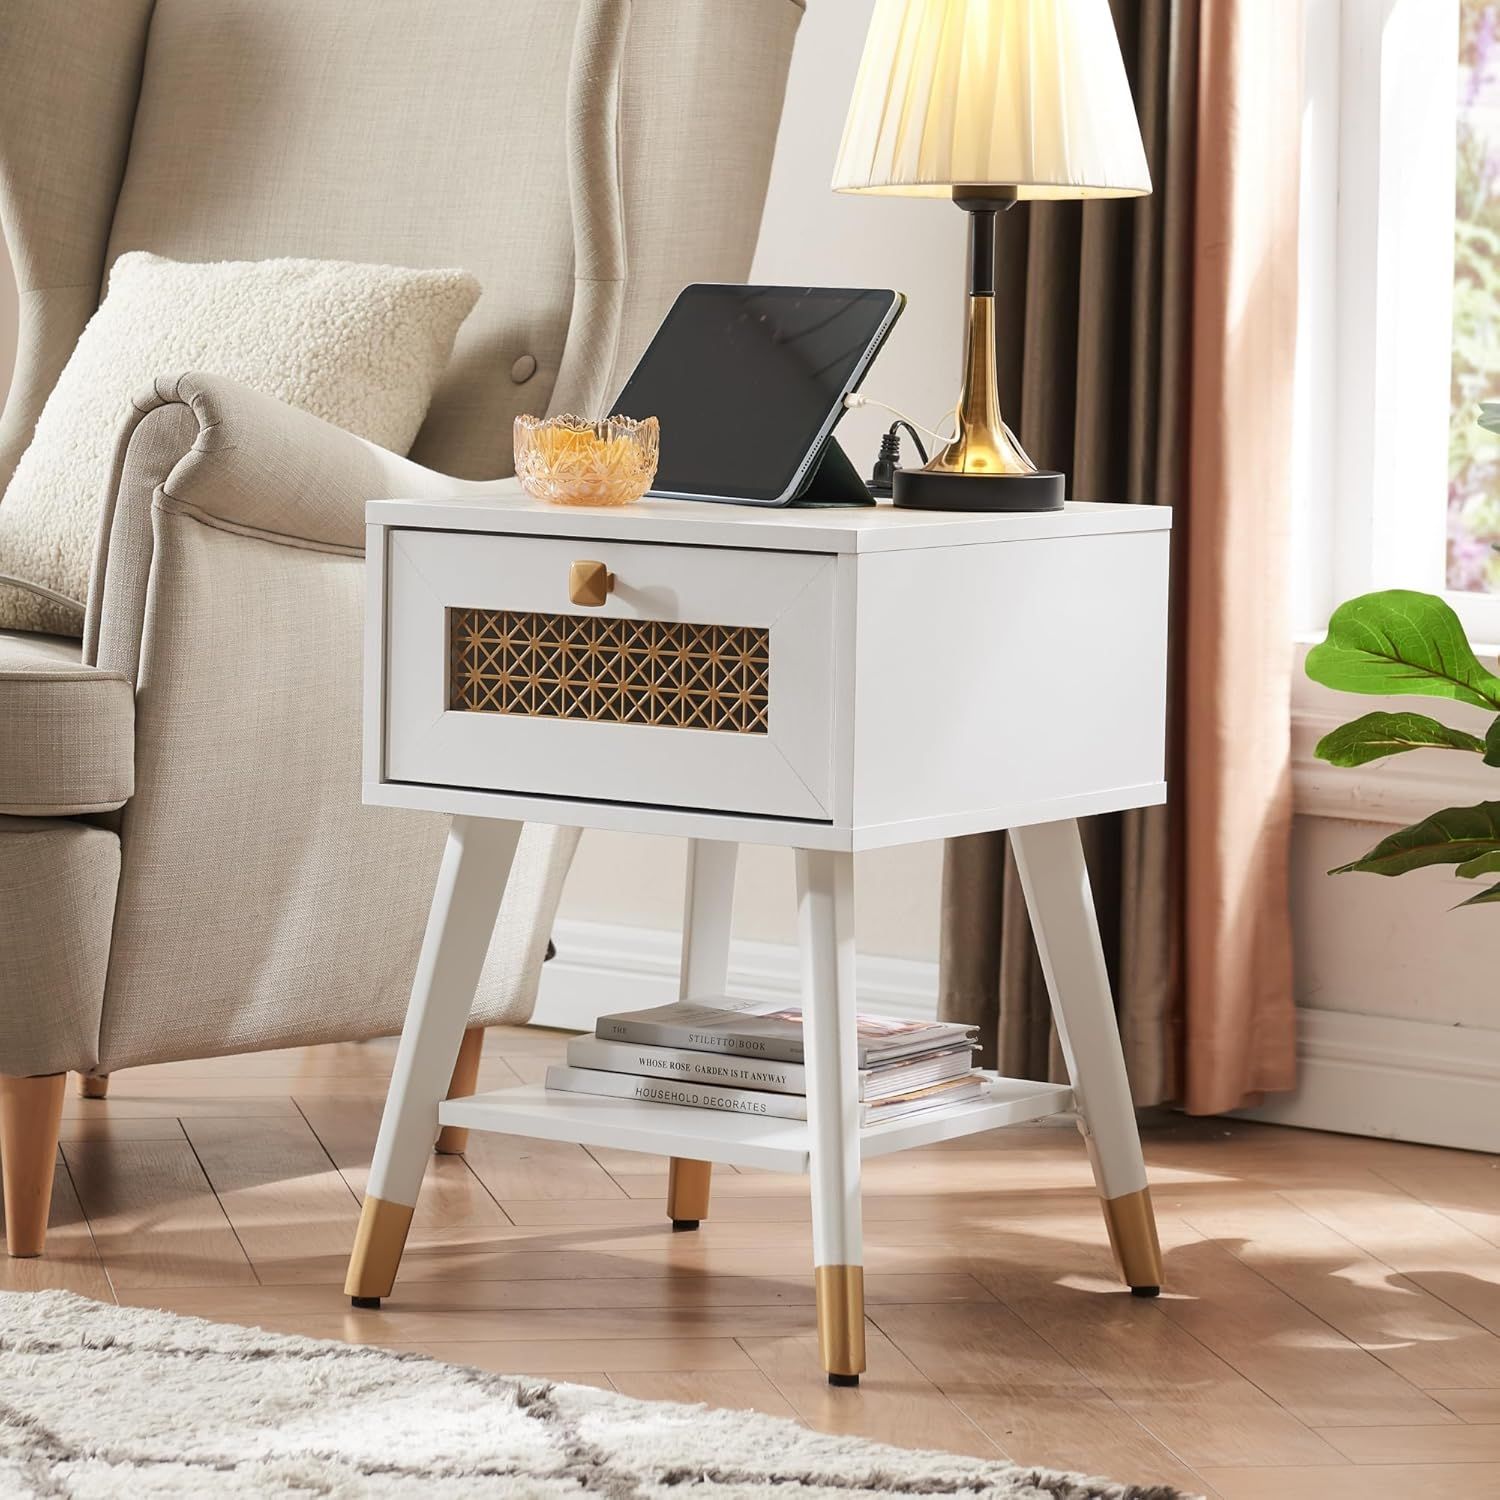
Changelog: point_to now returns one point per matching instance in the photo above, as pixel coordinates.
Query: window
(1473, 564)
(1399, 329)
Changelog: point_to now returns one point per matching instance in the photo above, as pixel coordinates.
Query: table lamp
(989, 102)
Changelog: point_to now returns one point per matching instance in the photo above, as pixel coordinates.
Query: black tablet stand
(832, 480)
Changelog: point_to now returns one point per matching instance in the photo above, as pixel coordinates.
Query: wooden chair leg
(688, 1185)
(93, 1085)
(453, 1140)
(30, 1118)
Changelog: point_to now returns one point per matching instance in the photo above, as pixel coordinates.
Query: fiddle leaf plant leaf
(1455, 836)
(1377, 735)
(1482, 864)
(1490, 893)
(1492, 744)
(1396, 642)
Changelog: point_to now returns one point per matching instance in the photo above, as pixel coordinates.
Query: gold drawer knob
(589, 584)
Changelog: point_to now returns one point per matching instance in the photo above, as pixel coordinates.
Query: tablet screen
(744, 379)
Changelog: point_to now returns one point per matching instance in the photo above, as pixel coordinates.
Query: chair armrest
(254, 883)
(236, 459)
(270, 468)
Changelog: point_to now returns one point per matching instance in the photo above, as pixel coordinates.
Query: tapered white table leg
(707, 917)
(708, 914)
(470, 884)
(1055, 879)
(825, 926)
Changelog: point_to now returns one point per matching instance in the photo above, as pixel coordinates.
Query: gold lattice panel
(659, 672)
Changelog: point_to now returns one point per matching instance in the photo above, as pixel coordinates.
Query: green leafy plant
(1403, 643)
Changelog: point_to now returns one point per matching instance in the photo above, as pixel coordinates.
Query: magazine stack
(746, 1057)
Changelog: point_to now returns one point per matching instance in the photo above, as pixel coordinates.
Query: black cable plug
(889, 459)
(883, 474)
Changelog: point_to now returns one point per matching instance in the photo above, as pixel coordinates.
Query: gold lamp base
(983, 467)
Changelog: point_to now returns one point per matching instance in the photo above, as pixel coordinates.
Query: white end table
(830, 680)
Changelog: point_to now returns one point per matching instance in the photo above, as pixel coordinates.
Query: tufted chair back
(485, 134)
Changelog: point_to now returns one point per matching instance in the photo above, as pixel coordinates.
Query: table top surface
(504, 508)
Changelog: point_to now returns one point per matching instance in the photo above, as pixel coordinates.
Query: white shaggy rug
(98, 1402)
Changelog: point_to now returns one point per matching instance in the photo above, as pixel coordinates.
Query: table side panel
(1010, 676)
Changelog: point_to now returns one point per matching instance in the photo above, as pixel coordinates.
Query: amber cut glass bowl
(570, 461)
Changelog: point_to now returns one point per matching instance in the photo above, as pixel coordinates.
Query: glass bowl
(570, 461)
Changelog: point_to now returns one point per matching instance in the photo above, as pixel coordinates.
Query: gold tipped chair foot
(378, 1243)
(93, 1085)
(453, 1140)
(30, 1118)
(1131, 1223)
(841, 1322)
(688, 1185)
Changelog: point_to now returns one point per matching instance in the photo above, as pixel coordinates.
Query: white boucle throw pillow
(360, 346)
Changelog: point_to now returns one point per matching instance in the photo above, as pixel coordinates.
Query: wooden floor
(1331, 1325)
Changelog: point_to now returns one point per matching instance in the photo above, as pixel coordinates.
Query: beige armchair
(185, 866)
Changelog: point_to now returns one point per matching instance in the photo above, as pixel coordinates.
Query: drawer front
(704, 680)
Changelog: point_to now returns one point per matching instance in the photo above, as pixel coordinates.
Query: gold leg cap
(687, 1191)
(378, 1243)
(841, 1321)
(1131, 1222)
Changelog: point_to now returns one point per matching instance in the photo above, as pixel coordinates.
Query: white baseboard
(1405, 1080)
(601, 967)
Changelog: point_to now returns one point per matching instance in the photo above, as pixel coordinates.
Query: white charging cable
(855, 399)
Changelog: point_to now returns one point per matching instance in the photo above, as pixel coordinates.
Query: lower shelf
(741, 1140)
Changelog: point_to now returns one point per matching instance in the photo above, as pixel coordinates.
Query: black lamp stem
(982, 208)
(981, 249)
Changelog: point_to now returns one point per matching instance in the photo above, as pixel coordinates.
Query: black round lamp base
(925, 489)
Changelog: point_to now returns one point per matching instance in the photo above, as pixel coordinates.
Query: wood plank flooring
(1330, 1328)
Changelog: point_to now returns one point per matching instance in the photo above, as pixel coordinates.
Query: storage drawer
(704, 680)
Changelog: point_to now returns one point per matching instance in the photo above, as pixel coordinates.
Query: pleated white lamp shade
(1023, 94)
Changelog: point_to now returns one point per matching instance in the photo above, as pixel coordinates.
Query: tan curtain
(1153, 365)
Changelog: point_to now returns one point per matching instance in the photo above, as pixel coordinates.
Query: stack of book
(747, 1057)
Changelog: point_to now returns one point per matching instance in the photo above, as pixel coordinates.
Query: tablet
(748, 382)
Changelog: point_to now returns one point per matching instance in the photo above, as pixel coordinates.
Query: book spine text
(694, 1067)
(665, 1034)
(671, 1091)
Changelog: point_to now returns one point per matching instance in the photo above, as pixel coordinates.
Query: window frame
(1376, 258)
